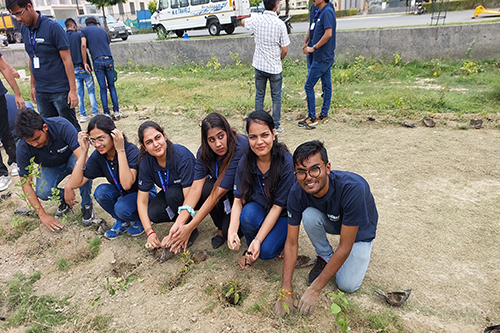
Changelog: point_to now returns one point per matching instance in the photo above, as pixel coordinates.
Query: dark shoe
(316, 270)
(308, 122)
(217, 241)
(63, 209)
(87, 215)
(192, 238)
(323, 119)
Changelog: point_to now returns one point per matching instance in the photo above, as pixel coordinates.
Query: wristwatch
(314, 47)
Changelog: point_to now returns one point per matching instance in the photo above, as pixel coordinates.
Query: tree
(152, 6)
(102, 4)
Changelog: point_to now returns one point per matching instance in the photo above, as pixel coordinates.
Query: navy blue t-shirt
(3, 90)
(182, 173)
(322, 19)
(75, 47)
(99, 166)
(63, 140)
(202, 171)
(282, 188)
(97, 41)
(50, 38)
(347, 202)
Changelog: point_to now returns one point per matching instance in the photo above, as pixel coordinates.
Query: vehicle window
(195, 2)
(175, 4)
(82, 20)
(202, 2)
(217, 0)
(184, 3)
(163, 4)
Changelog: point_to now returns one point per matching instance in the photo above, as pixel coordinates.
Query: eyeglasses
(314, 172)
(100, 140)
(18, 15)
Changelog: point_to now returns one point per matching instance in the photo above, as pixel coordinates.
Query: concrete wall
(421, 43)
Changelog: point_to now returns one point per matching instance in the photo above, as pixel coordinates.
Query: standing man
(81, 75)
(53, 145)
(319, 46)
(53, 86)
(271, 46)
(328, 202)
(97, 40)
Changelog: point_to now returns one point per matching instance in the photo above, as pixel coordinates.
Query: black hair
(207, 154)
(9, 4)
(307, 149)
(27, 122)
(104, 123)
(170, 146)
(69, 22)
(91, 20)
(278, 152)
(269, 4)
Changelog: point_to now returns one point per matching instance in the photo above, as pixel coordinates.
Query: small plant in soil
(283, 295)
(338, 308)
(234, 293)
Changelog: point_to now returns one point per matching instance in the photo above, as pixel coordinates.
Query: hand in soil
(308, 301)
(152, 242)
(51, 222)
(279, 308)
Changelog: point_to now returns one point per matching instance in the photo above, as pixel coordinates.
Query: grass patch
(62, 264)
(94, 246)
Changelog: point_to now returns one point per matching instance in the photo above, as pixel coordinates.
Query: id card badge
(227, 206)
(312, 26)
(36, 62)
(170, 212)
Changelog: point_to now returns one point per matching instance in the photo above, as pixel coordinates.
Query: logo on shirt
(289, 214)
(140, 182)
(178, 181)
(62, 150)
(333, 217)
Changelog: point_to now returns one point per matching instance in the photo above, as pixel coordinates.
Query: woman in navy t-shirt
(168, 166)
(263, 180)
(116, 159)
(212, 191)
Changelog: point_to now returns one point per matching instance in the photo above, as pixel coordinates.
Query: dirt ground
(437, 191)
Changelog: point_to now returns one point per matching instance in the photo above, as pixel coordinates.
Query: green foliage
(30, 178)
(255, 3)
(62, 264)
(469, 67)
(385, 321)
(338, 308)
(152, 6)
(94, 246)
(36, 313)
(283, 295)
(186, 261)
(163, 34)
(236, 58)
(234, 293)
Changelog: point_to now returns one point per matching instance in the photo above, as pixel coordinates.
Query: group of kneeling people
(250, 185)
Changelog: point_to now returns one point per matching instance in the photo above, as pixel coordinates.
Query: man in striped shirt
(271, 46)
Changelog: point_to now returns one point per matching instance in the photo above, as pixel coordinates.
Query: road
(343, 23)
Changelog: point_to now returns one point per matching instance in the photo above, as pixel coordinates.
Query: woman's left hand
(180, 239)
(254, 249)
(118, 139)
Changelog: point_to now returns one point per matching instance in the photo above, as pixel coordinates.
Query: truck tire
(18, 38)
(161, 31)
(125, 38)
(229, 29)
(214, 28)
(179, 33)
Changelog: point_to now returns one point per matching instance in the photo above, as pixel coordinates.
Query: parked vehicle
(10, 28)
(116, 29)
(3, 40)
(215, 15)
(419, 7)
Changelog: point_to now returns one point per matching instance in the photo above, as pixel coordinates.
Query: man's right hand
(51, 222)
(279, 306)
(87, 68)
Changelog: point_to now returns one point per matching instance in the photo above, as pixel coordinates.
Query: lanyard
(118, 185)
(216, 170)
(163, 186)
(33, 42)
(316, 15)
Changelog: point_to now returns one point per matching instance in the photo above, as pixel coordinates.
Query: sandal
(246, 262)
(217, 241)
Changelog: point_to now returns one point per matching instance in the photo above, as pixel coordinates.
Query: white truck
(215, 15)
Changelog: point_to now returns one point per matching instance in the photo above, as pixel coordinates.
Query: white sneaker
(84, 119)
(14, 170)
(4, 182)
(1, 144)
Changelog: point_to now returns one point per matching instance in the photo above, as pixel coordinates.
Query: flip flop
(218, 241)
(304, 261)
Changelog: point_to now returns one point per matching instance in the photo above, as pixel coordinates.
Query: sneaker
(136, 229)
(117, 115)
(84, 119)
(316, 270)
(63, 209)
(308, 122)
(193, 236)
(123, 115)
(4, 182)
(118, 229)
(88, 215)
(14, 170)
(112, 116)
(279, 130)
(323, 119)
(1, 144)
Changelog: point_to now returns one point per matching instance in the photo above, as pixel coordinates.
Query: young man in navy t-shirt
(53, 86)
(328, 202)
(53, 144)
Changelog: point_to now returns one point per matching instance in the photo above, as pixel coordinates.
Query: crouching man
(53, 143)
(333, 202)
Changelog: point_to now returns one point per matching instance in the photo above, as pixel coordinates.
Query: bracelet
(152, 232)
(188, 208)
(80, 167)
(257, 238)
(147, 230)
(120, 150)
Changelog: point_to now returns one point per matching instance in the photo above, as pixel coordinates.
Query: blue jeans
(251, 218)
(81, 77)
(350, 276)
(56, 105)
(275, 81)
(50, 177)
(105, 74)
(121, 208)
(317, 70)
